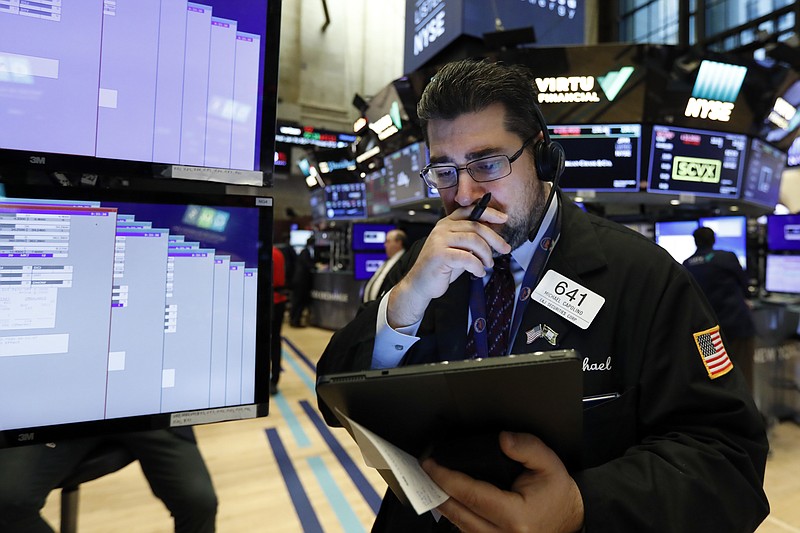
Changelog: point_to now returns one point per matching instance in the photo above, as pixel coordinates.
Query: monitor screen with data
(130, 310)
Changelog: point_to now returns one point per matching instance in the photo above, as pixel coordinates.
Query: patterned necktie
(499, 297)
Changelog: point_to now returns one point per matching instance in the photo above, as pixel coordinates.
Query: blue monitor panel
(676, 237)
(367, 236)
(783, 233)
(762, 179)
(782, 274)
(600, 157)
(133, 310)
(698, 162)
(402, 170)
(365, 264)
(730, 234)
(345, 201)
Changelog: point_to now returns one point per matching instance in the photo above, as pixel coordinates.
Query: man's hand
(454, 246)
(543, 498)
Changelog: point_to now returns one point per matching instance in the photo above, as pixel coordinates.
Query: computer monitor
(730, 233)
(783, 233)
(365, 264)
(782, 274)
(345, 201)
(99, 85)
(600, 157)
(128, 310)
(697, 162)
(402, 170)
(675, 236)
(369, 236)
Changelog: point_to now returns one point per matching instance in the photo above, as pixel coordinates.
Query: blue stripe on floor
(359, 480)
(309, 382)
(344, 513)
(305, 512)
(300, 354)
(292, 421)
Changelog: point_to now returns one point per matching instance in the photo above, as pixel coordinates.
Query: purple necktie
(499, 297)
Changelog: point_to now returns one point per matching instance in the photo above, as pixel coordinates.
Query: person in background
(724, 282)
(279, 299)
(301, 283)
(672, 440)
(169, 458)
(395, 245)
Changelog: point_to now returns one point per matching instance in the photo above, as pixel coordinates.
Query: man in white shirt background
(396, 243)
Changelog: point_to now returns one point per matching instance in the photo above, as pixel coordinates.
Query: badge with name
(568, 298)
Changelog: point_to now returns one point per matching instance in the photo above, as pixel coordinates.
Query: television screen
(675, 236)
(365, 264)
(182, 83)
(600, 157)
(299, 237)
(402, 170)
(730, 234)
(783, 232)
(698, 162)
(316, 200)
(762, 178)
(370, 236)
(345, 200)
(782, 273)
(377, 184)
(128, 310)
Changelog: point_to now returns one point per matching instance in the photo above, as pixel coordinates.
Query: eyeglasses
(483, 169)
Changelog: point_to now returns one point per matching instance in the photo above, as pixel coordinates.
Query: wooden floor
(288, 472)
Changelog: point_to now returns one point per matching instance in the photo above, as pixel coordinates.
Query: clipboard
(415, 406)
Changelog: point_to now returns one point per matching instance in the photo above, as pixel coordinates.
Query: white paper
(423, 494)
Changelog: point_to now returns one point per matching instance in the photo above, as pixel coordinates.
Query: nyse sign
(432, 29)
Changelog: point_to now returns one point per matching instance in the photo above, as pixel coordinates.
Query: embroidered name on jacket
(591, 367)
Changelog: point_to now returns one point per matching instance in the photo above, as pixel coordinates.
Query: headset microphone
(549, 160)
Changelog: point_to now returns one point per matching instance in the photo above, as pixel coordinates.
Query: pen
(480, 207)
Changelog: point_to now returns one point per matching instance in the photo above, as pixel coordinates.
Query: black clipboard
(414, 406)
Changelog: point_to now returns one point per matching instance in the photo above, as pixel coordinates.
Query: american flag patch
(715, 357)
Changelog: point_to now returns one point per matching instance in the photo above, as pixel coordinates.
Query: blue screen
(366, 264)
(783, 232)
(370, 236)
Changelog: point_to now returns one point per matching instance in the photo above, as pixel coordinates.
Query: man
(395, 245)
(681, 448)
(279, 300)
(170, 460)
(722, 279)
(301, 283)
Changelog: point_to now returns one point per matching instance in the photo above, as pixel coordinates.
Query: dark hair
(470, 85)
(704, 237)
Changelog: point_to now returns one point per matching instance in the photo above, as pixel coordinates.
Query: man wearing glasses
(678, 444)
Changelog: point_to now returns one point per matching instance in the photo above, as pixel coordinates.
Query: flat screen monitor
(128, 310)
(402, 170)
(178, 83)
(377, 185)
(762, 178)
(367, 236)
(600, 157)
(730, 233)
(697, 162)
(782, 274)
(345, 201)
(675, 236)
(365, 264)
(783, 232)
(299, 237)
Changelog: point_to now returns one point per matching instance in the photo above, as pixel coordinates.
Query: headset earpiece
(548, 155)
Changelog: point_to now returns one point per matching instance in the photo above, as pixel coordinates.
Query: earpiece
(548, 155)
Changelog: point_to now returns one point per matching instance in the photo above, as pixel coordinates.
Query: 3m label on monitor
(128, 310)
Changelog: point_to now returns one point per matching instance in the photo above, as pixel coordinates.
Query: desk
(335, 298)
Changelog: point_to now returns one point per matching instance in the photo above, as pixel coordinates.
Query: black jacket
(677, 451)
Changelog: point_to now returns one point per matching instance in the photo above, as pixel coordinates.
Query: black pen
(480, 207)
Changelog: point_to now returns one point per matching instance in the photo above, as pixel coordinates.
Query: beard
(523, 218)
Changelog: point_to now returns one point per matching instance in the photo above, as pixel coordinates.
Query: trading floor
(289, 472)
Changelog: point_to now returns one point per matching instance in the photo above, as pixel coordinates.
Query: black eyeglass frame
(458, 169)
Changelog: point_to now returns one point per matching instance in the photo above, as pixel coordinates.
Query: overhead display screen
(345, 200)
(600, 157)
(402, 169)
(377, 185)
(762, 179)
(699, 162)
